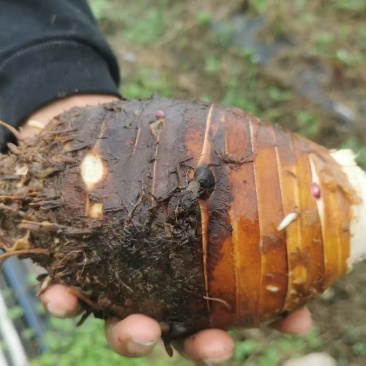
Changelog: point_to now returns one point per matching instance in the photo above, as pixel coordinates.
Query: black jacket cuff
(39, 74)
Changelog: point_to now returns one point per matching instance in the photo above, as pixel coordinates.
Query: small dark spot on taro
(345, 228)
(315, 190)
(203, 175)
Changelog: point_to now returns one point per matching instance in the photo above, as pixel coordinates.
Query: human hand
(137, 334)
(40, 118)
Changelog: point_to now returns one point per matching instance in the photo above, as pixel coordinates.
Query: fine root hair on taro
(216, 299)
(83, 318)
(74, 291)
(13, 130)
(45, 285)
(7, 255)
(22, 243)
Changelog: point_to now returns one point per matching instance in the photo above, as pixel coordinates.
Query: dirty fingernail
(137, 347)
(215, 361)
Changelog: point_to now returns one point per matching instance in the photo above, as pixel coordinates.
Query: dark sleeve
(50, 49)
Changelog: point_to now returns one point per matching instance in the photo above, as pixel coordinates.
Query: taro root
(194, 214)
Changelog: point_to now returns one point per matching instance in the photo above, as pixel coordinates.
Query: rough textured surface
(172, 209)
(143, 254)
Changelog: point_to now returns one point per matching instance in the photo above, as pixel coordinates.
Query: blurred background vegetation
(300, 64)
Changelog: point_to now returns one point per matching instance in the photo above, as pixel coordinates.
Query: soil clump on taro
(124, 243)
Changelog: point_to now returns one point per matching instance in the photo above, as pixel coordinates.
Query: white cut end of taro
(357, 178)
(96, 211)
(92, 170)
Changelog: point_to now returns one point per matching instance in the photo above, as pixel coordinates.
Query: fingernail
(56, 311)
(137, 347)
(215, 361)
(145, 344)
(61, 311)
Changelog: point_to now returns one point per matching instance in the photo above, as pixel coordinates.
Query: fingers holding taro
(137, 334)
(59, 302)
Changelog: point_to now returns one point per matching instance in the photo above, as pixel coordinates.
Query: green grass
(273, 351)
(145, 82)
(87, 346)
